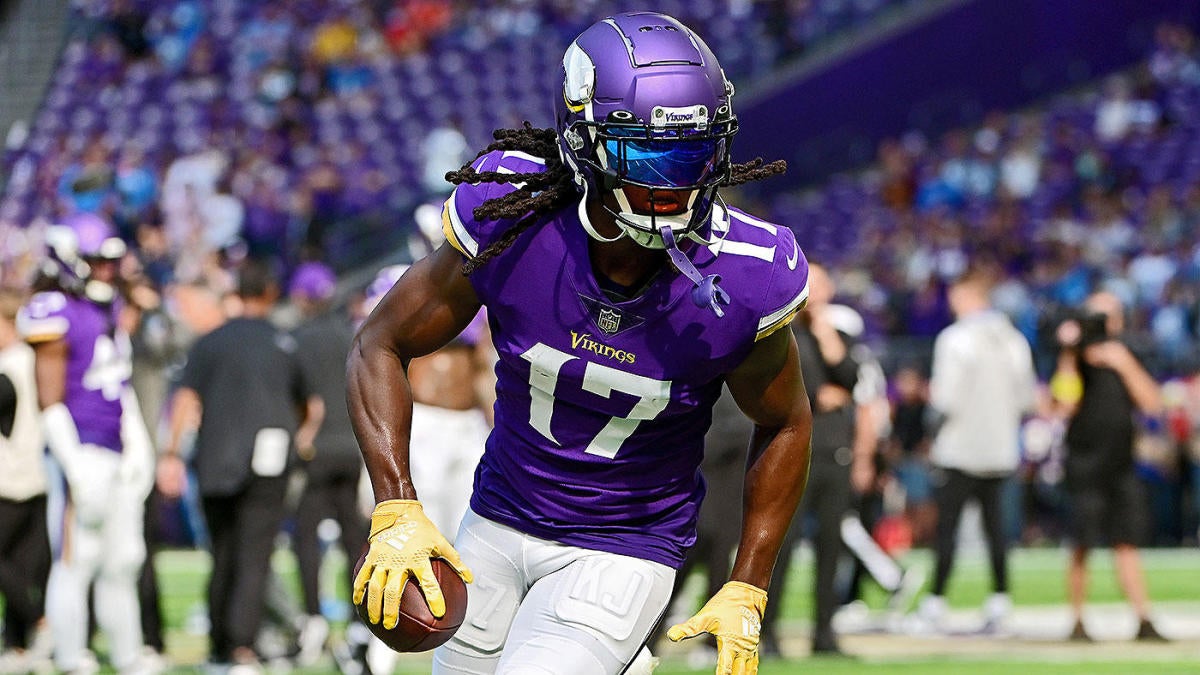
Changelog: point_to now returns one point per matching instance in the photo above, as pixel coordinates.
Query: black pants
(827, 498)
(24, 567)
(951, 495)
(333, 497)
(242, 528)
(148, 597)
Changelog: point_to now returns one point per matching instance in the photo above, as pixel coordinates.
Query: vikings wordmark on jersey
(602, 406)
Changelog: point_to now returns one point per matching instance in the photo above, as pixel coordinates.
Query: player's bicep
(768, 386)
(50, 371)
(431, 304)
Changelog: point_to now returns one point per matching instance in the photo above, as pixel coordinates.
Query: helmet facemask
(664, 175)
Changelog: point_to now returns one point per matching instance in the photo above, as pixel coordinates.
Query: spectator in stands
(1173, 61)
(1115, 114)
(136, 186)
(982, 383)
(24, 540)
(86, 185)
(243, 384)
(444, 149)
(1020, 169)
(128, 24)
(189, 181)
(1103, 384)
(173, 30)
(332, 464)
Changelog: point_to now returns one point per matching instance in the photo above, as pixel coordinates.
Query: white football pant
(445, 449)
(96, 535)
(539, 607)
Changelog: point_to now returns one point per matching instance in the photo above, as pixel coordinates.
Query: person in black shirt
(724, 470)
(332, 464)
(244, 385)
(1103, 384)
(830, 374)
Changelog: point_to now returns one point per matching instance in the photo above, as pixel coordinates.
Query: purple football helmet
(75, 246)
(645, 114)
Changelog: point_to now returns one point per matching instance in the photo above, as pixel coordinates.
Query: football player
(452, 394)
(622, 294)
(94, 430)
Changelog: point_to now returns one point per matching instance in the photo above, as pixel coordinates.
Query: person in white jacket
(982, 383)
(24, 539)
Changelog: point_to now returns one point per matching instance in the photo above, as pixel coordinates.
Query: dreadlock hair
(549, 191)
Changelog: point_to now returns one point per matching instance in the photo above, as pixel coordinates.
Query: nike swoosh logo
(791, 260)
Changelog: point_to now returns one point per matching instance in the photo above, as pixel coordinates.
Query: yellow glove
(403, 543)
(734, 615)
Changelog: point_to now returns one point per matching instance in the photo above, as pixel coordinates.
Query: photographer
(1102, 384)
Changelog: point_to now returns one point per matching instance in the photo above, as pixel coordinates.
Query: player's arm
(1142, 387)
(312, 416)
(50, 371)
(426, 309)
(770, 390)
(58, 425)
(184, 417)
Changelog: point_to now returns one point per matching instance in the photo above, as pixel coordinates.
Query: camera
(1082, 330)
(1093, 328)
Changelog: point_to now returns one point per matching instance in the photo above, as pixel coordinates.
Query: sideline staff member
(1102, 383)
(244, 384)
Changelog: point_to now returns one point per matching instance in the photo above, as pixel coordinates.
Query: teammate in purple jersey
(622, 293)
(95, 433)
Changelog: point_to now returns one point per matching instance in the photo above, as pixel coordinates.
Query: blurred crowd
(298, 130)
(1099, 189)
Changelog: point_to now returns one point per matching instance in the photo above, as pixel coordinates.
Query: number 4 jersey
(98, 360)
(602, 406)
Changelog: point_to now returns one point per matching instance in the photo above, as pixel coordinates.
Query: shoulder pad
(466, 233)
(782, 273)
(44, 318)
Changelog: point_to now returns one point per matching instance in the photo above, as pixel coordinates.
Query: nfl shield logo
(609, 321)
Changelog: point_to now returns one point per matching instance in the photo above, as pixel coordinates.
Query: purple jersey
(98, 360)
(602, 406)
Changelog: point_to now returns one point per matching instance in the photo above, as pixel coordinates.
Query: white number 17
(545, 364)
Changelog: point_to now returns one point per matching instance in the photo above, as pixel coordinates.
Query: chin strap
(706, 293)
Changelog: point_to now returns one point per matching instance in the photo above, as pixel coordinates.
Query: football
(418, 630)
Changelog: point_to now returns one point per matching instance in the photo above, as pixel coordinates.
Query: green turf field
(1036, 580)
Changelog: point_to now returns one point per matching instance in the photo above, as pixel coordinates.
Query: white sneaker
(932, 612)
(14, 661)
(149, 663)
(313, 634)
(42, 646)
(995, 610)
(87, 665)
